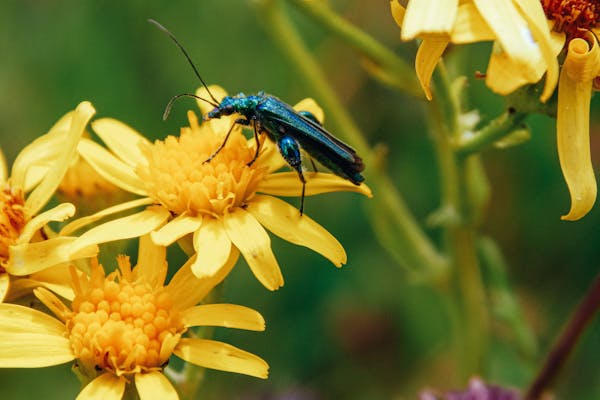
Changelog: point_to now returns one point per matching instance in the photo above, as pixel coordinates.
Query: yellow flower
(523, 43)
(122, 328)
(579, 20)
(215, 203)
(27, 246)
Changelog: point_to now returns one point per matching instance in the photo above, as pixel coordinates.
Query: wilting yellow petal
(42, 193)
(58, 213)
(221, 356)
(175, 229)
(153, 386)
(255, 245)
(428, 55)
(312, 107)
(151, 262)
(512, 32)
(186, 290)
(128, 227)
(111, 168)
(226, 315)
(429, 18)
(4, 285)
(105, 387)
(212, 246)
(284, 220)
(28, 258)
(122, 140)
(90, 219)
(31, 339)
(398, 12)
(470, 27)
(572, 126)
(288, 184)
(504, 74)
(533, 13)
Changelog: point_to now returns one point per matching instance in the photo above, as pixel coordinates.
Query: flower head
(216, 204)
(524, 48)
(27, 247)
(123, 327)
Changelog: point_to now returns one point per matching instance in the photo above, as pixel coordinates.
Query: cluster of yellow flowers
(530, 38)
(122, 327)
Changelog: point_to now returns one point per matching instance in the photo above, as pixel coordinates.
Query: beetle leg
(290, 151)
(256, 126)
(241, 121)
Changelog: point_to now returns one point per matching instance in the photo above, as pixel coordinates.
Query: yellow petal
(428, 55)
(269, 155)
(122, 140)
(429, 18)
(154, 386)
(398, 12)
(111, 168)
(288, 184)
(58, 213)
(504, 74)
(3, 167)
(572, 125)
(35, 174)
(221, 356)
(31, 339)
(512, 32)
(186, 290)
(56, 278)
(226, 315)
(105, 387)
(90, 219)
(212, 247)
(4, 285)
(151, 263)
(470, 27)
(255, 245)
(284, 220)
(533, 13)
(175, 229)
(312, 107)
(128, 227)
(42, 193)
(28, 258)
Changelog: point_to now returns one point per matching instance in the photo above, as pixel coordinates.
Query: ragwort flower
(579, 23)
(123, 327)
(27, 247)
(215, 203)
(523, 43)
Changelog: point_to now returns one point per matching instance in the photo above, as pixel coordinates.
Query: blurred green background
(362, 332)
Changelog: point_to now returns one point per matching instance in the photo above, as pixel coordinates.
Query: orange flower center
(122, 324)
(178, 176)
(12, 219)
(572, 16)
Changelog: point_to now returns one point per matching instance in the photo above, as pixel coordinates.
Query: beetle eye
(229, 109)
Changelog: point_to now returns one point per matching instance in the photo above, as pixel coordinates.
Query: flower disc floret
(573, 16)
(178, 176)
(12, 218)
(122, 325)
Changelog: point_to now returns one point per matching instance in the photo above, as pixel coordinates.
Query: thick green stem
(459, 231)
(493, 131)
(423, 255)
(392, 69)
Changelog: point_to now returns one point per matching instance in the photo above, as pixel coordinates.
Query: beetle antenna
(174, 98)
(174, 39)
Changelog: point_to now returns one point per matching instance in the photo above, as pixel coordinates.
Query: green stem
(459, 231)
(493, 131)
(389, 67)
(423, 255)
